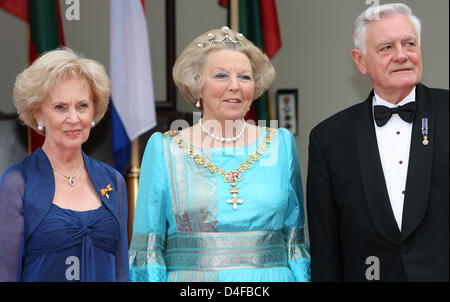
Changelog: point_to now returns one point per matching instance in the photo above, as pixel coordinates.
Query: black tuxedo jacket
(349, 213)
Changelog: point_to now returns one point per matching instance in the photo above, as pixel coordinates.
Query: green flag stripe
(250, 21)
(261, 108)
(44, 28)
(250, 26)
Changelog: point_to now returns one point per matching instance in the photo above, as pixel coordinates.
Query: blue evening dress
(42, 242)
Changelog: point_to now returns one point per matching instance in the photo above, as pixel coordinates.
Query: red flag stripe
(223, 3)
(18, 8)
(60, 26)
(251, 114)
(270, 27)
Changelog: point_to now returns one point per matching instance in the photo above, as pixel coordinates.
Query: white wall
(314, 58)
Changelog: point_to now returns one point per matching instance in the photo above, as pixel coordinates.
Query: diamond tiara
(227, 38)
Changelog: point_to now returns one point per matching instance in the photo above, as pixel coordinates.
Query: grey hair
(188, 68)
(376, 12)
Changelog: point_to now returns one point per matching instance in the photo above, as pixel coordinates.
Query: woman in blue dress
(63, 214)
(221, 200)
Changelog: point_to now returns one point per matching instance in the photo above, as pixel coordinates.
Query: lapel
(39, 190)
(101, 177)
(372, 176)
(418, 179)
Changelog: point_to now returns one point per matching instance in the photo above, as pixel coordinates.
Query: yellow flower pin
(106, 190)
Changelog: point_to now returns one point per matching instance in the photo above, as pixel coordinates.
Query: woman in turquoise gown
(213, 206)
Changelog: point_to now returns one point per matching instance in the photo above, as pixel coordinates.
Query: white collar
(411, 97)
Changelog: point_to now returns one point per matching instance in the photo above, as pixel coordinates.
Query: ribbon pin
(425, 131)
(106, 190)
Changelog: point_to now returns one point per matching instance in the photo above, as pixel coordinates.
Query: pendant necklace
(71, 179)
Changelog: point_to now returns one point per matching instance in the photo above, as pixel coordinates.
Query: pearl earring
(198, 104)
(40, 127)
(92, 124)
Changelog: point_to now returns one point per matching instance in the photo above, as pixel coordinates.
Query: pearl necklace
(222, 139)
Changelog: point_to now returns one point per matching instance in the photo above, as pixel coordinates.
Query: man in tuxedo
(378, 173)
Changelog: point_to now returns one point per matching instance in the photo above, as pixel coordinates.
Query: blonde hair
(188, 68)
(34, 83)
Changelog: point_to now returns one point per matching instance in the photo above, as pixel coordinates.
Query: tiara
(226, 31)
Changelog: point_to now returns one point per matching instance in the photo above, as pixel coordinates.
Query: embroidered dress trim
(147, 249)
(219, 251)
(192, 213)
(297, 246)
(194, 276)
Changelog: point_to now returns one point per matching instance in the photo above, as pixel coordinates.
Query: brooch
(106, 190)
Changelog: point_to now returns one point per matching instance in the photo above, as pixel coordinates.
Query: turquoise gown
(184, 229)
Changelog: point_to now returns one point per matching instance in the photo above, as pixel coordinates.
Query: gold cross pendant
(235, 201)
(232, 177)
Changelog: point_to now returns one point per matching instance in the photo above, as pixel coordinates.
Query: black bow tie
(383, 114)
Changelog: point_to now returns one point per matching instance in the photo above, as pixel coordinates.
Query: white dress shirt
(394, 141)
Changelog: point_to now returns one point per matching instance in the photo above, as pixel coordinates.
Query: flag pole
(28, 52)
(132, 179)
(234, 15)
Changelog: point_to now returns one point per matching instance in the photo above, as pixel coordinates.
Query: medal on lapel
(425, 131)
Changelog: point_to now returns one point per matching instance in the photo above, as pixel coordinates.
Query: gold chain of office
(231, 177)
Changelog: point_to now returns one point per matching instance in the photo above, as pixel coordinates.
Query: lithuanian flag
(45, 33)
